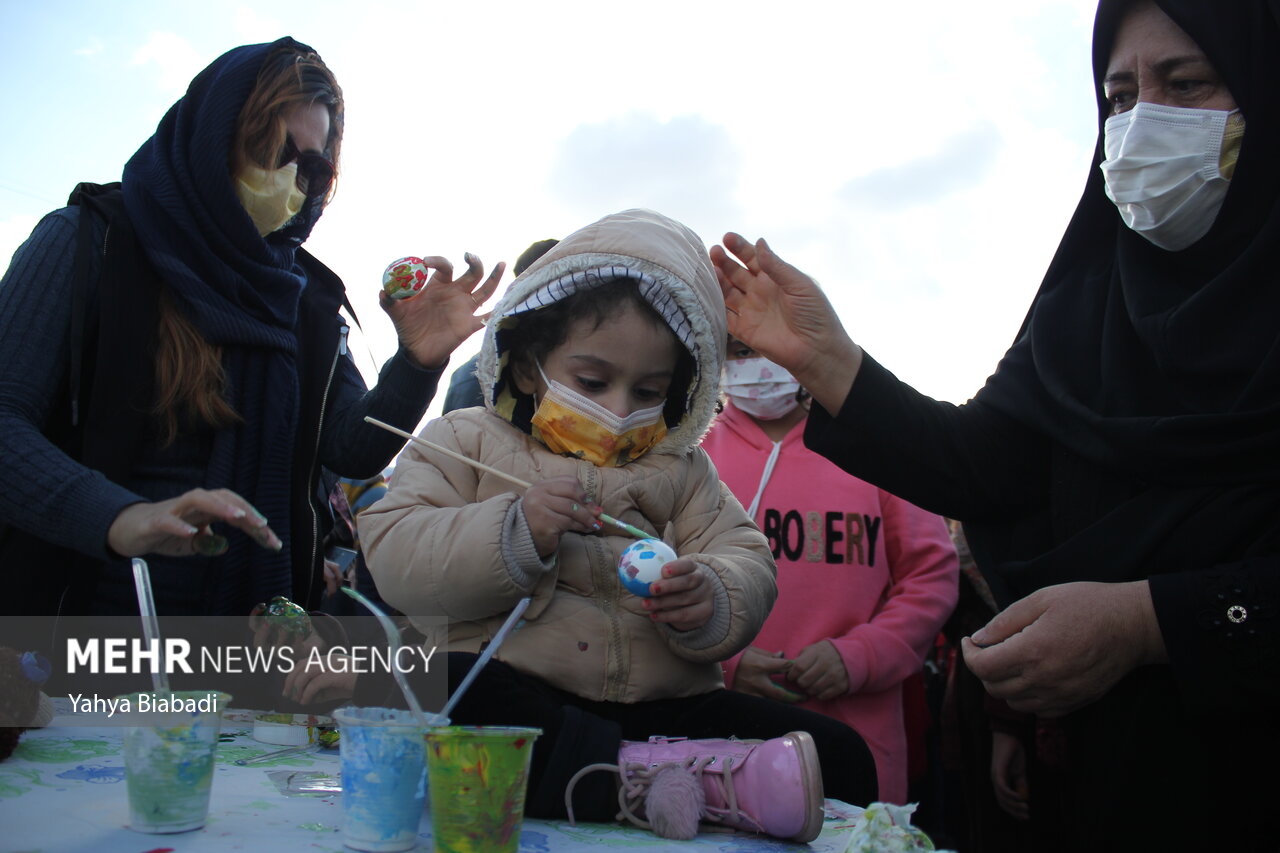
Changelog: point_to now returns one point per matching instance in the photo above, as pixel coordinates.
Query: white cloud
(93, 46)
(961, 131)
(176, 58)
(961, 162)
(253, 26)
(686, 168)
(13, 231)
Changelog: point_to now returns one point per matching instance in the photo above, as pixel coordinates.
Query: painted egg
(641, 564)
(404, 278)
(283, 613)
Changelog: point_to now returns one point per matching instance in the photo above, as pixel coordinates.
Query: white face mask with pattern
(760, 388)
(1168, 169)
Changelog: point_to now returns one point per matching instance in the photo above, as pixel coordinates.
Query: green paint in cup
(169, 758)
(479, 776)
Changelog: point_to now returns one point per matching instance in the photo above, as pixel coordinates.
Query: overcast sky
(920, 159)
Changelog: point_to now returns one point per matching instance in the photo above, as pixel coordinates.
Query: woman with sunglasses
(175, 364)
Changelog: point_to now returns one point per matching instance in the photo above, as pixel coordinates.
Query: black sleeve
(966, 462)
(1222, 634)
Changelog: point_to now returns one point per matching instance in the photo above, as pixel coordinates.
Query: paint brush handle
(278, 753)
(150, 622)
(452, 454)
(512, 619)
(393, 641)
(628, 528)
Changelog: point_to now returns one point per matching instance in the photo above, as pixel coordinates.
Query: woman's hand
(682, 598)
(182, 526)
(819, 671)
(555, 506)
(266, 635)
(754, 672)
(1065, 646)
(336, 680)
(1009, 774)
(782, 313)
(442, 315)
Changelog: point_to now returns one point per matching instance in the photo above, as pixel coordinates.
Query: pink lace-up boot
(670, 785)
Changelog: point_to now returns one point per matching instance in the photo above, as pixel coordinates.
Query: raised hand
(782, 313)
(442, 315)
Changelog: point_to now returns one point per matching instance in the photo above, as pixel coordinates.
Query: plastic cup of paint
(169, 758)
(384, 778)
(479, 777)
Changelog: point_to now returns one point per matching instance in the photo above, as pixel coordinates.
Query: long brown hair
(190, 379)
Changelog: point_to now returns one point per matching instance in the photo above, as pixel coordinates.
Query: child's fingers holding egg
(682, 598)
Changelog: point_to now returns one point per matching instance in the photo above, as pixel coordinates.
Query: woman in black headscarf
(176, 370)
(1119, 474)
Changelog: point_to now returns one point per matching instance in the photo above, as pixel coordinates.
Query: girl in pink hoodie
(865, 579)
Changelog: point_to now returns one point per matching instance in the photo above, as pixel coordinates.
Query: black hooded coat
(1132, 432)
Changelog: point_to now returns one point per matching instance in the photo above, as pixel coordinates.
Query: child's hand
(553, 507)
(305, 685)
(754, 675)
(682, 598)
(819, 671)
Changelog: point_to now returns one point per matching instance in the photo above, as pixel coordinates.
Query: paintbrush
(607, 519)
(278, 753)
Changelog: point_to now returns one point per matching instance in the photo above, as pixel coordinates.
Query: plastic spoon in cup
(150, 623)
(393, 640)
(512, 619)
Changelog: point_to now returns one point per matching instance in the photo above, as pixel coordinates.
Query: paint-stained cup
(479, 776)
(384, 778)
(169, 758)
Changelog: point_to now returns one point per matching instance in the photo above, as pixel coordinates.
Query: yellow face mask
(271, 198)
(569, 423)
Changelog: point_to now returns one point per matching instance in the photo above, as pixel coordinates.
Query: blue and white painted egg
(641, 564)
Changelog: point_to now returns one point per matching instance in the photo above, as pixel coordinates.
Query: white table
(64, 790)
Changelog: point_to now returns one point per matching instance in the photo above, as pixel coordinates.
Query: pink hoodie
(875, 575)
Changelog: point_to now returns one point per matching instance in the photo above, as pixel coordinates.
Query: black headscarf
(1158, 373)
(240, 290)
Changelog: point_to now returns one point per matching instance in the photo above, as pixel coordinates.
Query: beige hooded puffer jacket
(435, 543)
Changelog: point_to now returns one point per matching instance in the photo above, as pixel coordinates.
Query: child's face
(625, 364)
(739, 349)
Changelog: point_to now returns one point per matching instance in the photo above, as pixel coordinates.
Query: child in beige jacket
(600, 368)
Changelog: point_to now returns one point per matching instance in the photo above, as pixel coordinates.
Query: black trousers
(577, 732)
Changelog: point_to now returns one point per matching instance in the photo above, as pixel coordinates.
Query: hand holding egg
(434, 312)
(641, 564)
(404, 277)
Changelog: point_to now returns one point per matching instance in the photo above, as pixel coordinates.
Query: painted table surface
(63, 790)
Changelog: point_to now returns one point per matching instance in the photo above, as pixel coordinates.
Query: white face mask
(270, 197)
(1163, 170)
(760, 388)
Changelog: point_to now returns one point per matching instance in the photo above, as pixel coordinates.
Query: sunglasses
(315, 171)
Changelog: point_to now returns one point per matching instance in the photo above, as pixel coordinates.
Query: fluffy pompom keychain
(674, 803)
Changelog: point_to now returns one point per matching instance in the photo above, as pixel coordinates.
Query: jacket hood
(669, 262)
